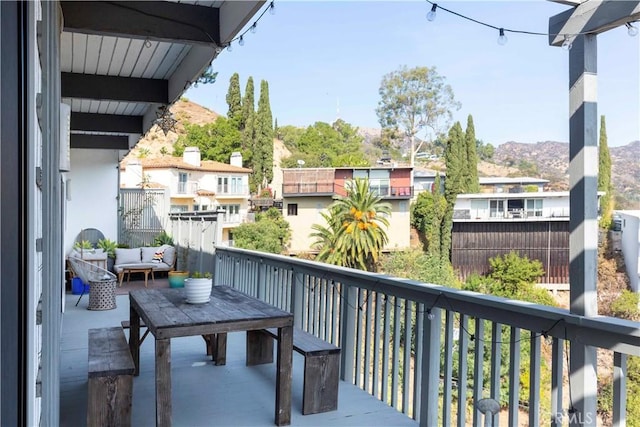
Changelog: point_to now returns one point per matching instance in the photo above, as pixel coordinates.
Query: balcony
(402, 343)
(331, 189)
(186, 188)
(511, 214)
(233, 191)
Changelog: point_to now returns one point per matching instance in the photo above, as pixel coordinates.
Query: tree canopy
(414, 100)
(323, 145)
(216, 140)
(354, 235)
(269, 233)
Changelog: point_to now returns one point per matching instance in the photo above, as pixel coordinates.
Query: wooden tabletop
(167, 314)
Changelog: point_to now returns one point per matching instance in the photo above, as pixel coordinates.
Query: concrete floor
(203, 394)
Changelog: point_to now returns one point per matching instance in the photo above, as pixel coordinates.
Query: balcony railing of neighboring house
(318, 188)
(308, 188)
(483, 214)
(402, 340)
(232, 191)
(188, 187)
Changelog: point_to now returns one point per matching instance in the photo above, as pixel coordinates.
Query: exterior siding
(473, 243)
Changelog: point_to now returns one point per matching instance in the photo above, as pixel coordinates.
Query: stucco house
(307, 192)
(195, 185)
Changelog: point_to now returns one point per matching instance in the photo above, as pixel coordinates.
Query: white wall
(631, 245)
(93, 189)
(309, 209)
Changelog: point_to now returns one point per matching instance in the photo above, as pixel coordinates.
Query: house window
(223, 184)
(178, 208)
(292, 209)
(232, 213)
(235, 185)
(379, 181)
(182, 183)
(496, 208)
(534, 207)
(196, 208)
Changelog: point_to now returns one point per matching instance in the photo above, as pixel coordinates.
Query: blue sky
(318, 55)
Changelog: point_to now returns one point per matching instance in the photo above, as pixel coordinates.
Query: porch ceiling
(123, 60)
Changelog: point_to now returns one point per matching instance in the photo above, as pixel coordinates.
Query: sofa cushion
(148, 253)
(127, 256)
(168, 254)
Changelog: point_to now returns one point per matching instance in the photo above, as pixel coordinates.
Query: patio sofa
(157, 258)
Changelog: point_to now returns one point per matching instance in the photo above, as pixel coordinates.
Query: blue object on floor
(78, 287)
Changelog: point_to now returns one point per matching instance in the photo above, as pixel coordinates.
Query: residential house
(307, 192)
(424, 179)
(629, 226)
(534, 223)
(196, 185)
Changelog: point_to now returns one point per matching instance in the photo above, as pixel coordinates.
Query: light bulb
(432, 13)
(254, 28)
(567, 44)
(229, 48)
(430, 315)
(241, 41)
(502, 39)
(631, 30)
(272, 8)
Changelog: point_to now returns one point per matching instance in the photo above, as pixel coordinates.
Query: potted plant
(109, 247)
(198, 287)
(177, 277)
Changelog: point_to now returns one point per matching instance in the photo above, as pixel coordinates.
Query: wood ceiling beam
(592, 17)
(128, 89)
(89, 122)
(107, 142)
(154, 20)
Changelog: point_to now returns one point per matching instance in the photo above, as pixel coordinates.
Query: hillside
(548, 159)
(551, 160)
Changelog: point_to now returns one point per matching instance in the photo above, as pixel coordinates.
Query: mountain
(550, 160)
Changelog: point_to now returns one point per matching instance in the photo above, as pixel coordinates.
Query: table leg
(283, 376)
(134, 339)
(146, 276)
(120, 277)
(163, 382)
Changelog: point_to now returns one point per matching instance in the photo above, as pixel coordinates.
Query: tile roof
(170, 162)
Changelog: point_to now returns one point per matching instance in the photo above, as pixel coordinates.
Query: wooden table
(144, 268)
(167, 315)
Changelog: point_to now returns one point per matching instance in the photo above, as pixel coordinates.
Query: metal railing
(405, 342)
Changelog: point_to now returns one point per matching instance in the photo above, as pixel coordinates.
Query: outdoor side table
(102, 294)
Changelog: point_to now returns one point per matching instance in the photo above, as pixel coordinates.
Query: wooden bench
(110, 373)
(321, 366)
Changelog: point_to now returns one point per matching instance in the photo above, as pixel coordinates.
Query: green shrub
(626, 306)
(163, 239)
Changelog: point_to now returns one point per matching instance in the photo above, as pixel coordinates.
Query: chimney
(236, 159)
(132, 176)
(191, 156)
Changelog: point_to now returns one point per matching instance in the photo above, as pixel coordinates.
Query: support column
(583, 222)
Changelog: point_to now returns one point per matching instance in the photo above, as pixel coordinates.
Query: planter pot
(198, 290)
(177, 278)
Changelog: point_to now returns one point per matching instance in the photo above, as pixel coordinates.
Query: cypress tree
(248, 119)
(472, 182)
(263, 148)
(234, 101)
(455, 156)
(604, 177)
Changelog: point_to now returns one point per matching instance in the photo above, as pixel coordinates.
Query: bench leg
(109, 401)
(120, 277)
(217, 347)
(320, 390)
(259, 348)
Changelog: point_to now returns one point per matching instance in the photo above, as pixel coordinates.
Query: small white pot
(198, 290)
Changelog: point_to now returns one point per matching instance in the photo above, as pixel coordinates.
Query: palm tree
(354, 236)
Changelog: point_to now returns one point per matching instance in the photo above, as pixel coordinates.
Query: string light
(502, 39)
(253, 28)
(432, 13)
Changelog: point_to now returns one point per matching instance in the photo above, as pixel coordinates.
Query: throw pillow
(157, 257)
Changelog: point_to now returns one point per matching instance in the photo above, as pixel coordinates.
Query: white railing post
(619, 389)
(297, 294)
